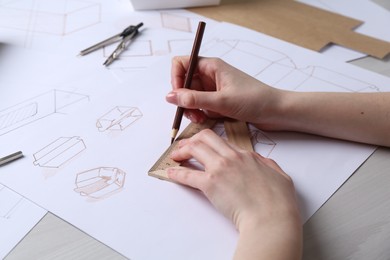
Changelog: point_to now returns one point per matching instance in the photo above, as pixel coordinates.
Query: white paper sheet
(68, 26)
(165, 4)
(17, 217)
(43, 78)
(91, 168)
(373, 16)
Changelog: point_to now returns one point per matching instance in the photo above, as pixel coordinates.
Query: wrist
(279, 237)
(275, 111)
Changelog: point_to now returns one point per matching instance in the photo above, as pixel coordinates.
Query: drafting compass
(125, 37)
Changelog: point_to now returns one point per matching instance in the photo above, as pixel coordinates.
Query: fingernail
(171, 97)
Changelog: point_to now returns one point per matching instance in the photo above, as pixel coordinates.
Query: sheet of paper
(66, 27)
(373, 15)
(91, 168)
(165, 4)
(17, 217)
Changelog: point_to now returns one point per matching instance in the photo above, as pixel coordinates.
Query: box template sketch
(9, 202)
(260, 141)
(267, 63)
(59, 17)
(279, 70)
(100, 183)
(145, 49)
(118, 119)
(59, 152)
(36, 108)
(154, 47)
(176, 22)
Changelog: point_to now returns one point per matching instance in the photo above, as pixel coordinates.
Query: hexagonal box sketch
(59, 152)
(118, 118)
(99, 183)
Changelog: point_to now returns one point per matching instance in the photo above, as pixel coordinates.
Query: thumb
(193, 99)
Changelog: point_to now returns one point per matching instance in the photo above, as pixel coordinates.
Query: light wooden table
(353, 224)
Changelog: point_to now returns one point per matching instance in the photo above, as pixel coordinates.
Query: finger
(193, 148)
(196, 116)
(178, 71)
(222, 147)
(204, 75)
(186, 176)
(206, 147)
(206, 100)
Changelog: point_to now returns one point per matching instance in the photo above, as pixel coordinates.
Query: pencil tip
(174, 133)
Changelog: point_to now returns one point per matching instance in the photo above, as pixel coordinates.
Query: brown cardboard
(297, 23)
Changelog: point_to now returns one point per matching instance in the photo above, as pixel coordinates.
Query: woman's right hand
(220, 90)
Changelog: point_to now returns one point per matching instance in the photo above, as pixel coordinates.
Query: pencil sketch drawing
(178, 34)
(176, 22)
(118, 119)
(9, 202)
(177, 45)
(56, 18)
(261, 142)
(279, 70)
(100, 183)
(59, 152)
(139, 48)
(38, 107)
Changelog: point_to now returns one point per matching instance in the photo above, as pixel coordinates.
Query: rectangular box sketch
(9, 202)
(100, 182)
(41, 106)
(118, 119)
(59, 152)
(60, 17)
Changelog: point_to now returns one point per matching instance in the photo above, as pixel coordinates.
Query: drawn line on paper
(147, 49)
(176, 22)
(10, 201)
(139, 48)
(57, 18)
(100, 183)
(59, 152)
(118, 118)
(268, 62)
(38, 107)
(260, 141)
(277, 69)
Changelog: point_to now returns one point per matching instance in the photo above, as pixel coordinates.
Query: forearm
(360, 117)
(278, 241)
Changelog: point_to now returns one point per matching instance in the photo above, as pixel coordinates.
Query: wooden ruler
(236, 131)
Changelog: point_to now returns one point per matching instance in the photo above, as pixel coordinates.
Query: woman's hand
(247, 188)
(220, 90)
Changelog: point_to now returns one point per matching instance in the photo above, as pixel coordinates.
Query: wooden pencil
(189, 75)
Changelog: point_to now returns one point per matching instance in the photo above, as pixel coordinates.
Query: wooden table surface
(353, 224)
